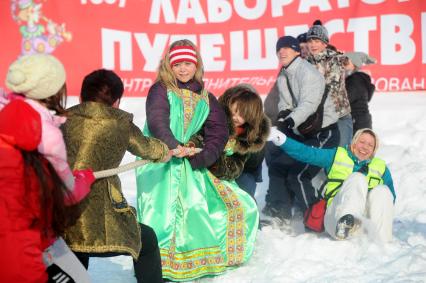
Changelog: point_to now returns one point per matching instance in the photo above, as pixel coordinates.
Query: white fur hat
(37, 76)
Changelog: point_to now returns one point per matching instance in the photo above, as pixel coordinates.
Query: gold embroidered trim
(235, 230)
(192, 264)
(190, 100)
(104, 249)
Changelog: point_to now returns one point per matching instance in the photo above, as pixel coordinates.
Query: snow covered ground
(297, 256)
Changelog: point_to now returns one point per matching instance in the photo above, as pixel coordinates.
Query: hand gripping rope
(138, 163)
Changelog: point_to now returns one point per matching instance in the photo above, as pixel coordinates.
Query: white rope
(120, 169)
(129, 166)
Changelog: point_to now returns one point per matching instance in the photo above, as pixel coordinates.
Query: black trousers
(290, 180)
(147, 266)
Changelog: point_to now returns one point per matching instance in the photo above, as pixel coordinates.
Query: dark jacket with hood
(360, 90)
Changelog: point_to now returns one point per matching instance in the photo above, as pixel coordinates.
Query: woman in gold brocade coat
(97, 135)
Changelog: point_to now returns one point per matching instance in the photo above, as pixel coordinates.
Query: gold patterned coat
(97, 136)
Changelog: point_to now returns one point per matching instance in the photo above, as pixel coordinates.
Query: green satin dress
(204, 225)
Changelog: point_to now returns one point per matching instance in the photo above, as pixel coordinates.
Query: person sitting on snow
(359, 185)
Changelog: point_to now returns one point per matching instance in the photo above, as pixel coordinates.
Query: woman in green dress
(204, 225)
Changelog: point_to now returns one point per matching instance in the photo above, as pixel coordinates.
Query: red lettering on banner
(223, 83)
(136, 85)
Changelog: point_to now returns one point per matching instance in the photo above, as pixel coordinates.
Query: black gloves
(283, 114)
(286, 125)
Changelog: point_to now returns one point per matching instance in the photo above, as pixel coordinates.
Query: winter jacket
(307, 85)
(330, 64)
(20, 237)
(254, 163)
(52, 147)
(97, 136)
(360, 90)
(343, 167)
(324, 158)
(233, 160)
(215, 131)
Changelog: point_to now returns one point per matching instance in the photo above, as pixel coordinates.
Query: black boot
(278, 216)
(345, 226)
(279, 210)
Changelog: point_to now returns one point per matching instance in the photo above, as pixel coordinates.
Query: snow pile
(292, 255)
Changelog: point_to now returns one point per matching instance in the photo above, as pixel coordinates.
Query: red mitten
(83, 179)
(84, 175)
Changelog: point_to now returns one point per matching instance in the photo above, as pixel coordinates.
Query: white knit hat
(37, 76)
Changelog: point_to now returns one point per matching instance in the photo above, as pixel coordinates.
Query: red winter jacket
(21, 245)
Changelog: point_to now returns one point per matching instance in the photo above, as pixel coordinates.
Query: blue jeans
(290, 180)
(345, 129)
(247, 182)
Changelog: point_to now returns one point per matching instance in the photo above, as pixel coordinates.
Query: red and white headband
(182, 53)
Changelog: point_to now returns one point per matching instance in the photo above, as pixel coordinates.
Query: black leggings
(147, 267)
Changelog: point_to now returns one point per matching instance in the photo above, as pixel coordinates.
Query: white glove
(277, 137)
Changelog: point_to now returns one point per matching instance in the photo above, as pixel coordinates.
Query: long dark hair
(57, 102)
(249, 105)
(54, 215)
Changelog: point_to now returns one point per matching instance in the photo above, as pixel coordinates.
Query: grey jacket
(308, 87)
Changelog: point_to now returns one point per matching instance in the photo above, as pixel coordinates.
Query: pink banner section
(236, 38)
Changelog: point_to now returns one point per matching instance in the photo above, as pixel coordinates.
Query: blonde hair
(249, 105)
(371, 133)
(165, 74)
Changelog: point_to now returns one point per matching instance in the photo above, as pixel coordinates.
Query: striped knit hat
(182, 53)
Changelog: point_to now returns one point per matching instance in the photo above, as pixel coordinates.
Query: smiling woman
(364, 144)
(359, 185)
(184, 71)
(183, 60)
(204, 225)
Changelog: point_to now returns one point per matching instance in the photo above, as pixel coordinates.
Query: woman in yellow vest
(359, 185)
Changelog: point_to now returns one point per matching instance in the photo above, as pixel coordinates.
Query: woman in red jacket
(32, 210)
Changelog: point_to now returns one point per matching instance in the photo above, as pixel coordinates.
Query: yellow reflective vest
(343, 167)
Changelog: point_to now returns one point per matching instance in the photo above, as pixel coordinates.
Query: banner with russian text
(236, 38)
